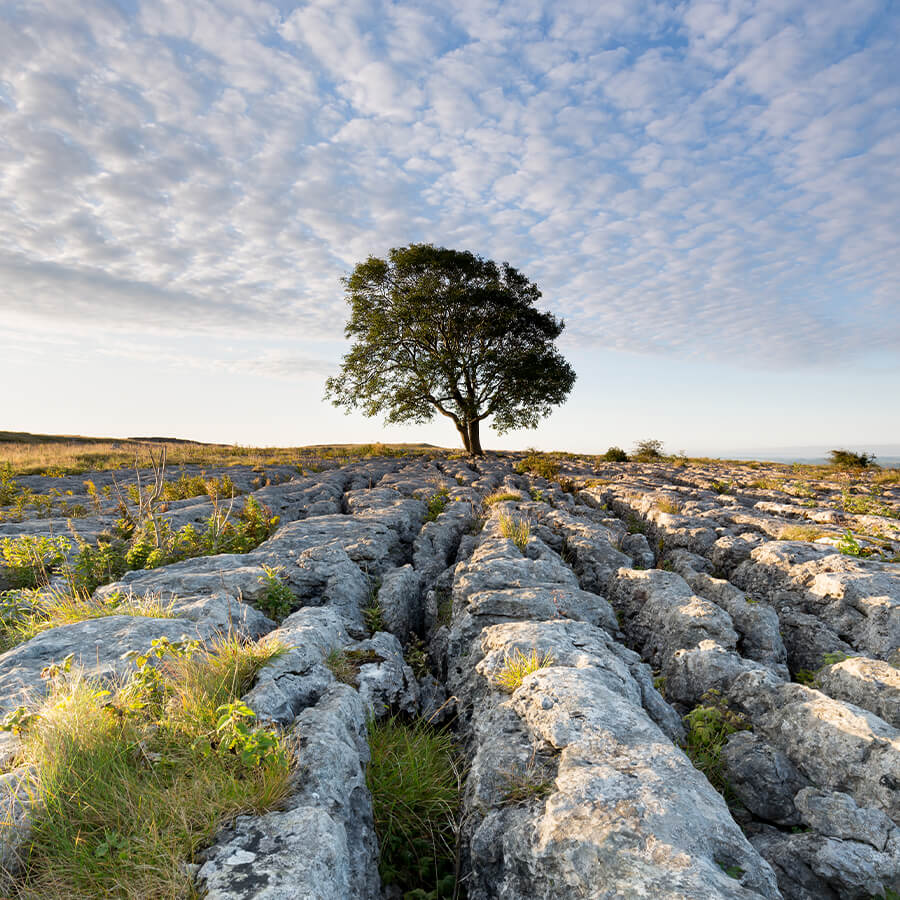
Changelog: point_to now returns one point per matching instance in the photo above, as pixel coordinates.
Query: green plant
(850, 546)
(9, 489)
(416, 656)
(277, 600)
(722, 487)
(23, 614)
(847, 459)
(128, 792)
(30, 560)
(516, 528)
(805, 677)
(832, 659)
(707, 729)
(345, 664)
(667, 505)
(501, 497)
(732, 871)
(635, 524)
(540, 464)
(415, 778)
(521, 786)
(517, 665)
(648, 450)
(615, 454)
(436, 504)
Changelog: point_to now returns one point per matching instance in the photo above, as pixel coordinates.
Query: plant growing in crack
(517, 665)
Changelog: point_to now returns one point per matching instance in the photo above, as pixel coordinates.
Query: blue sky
(707, 192)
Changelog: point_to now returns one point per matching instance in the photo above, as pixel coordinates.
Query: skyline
(706, 194)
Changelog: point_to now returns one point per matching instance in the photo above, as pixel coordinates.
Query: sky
(706, 192)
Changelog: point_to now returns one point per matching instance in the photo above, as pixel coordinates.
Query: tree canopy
(446, 331)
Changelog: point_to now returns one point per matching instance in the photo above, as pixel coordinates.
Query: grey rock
(17, 797)
(400, 599)
(836, 815)
(870, 683)
(637, 547)
(388, 684)
(763, 778)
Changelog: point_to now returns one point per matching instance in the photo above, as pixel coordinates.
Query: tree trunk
(465, 437)
(474, 443)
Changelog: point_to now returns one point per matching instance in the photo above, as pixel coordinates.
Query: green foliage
(436, 504)
(847, 459)
(615, 454)
(30, 560)
(277, 601)
(708, 727)
(415, 781)
(635, 524)
(540, 464)
(850, 546)
(438, 330)
(832, 659)
(23, 614)
(517, 665)
(722, 487)
(132, 784)
(649, 450)
(521, 786)
(416, 657)
(866, 505)
(345, 664)
(516, 528)
(503, 497)
(9, 489)
(805, 677)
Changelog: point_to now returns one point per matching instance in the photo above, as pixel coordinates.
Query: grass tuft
(516, 529)
(131, 784)
(517, 665)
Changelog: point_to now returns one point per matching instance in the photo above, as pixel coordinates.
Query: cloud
(702, 179)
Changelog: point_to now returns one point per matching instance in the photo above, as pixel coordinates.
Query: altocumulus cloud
(689, 179)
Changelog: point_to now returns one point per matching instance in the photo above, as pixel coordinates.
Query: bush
(708, 727)
(847, 459)
(615, 454)
(415, 781)
(540, 464)
(647, 451)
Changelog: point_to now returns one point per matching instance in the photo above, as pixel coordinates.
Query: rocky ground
(643, 591)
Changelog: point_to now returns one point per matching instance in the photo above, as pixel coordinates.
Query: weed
(732, 871)
(660, 684)
(805, 677)
(31, 560)
(722, 487)
(850, 546)
(521, 786)
(501, 497)
(345, 664)
(517, 529)
(708, 727)
(832, 659)
(517, 665)
(414, 778)
(417, 657)
(800, 533)
(277, 601)
(444, 605)
(23, 614)
(436, 504)
(635, 524)
(132, 784)
(668, 505)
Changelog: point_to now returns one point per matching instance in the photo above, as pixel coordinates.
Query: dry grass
(517, 529)
(800, 533)
(517, 665)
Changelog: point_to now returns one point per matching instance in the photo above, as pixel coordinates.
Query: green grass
(130, 785)
(436, 504)
(516, 529)
(502, 497)
(415, 780)
(517, 665)
(23, 614)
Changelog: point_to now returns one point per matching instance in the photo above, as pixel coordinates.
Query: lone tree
(438, 330)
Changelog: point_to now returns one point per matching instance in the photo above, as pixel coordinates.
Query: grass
(517, 665)
(540, 464)
(800, 533)
(415, 779)
(708, 727)
(522, 786)
(345, 664)
(503, 497)
(669, 506)
(516, 529)
(31, 454)
(23, 614)
(130, 785)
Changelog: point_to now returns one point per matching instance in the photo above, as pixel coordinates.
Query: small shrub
(517, 665)
(436, 504)
(847, 459)
(277, 601)
(615, 454)
(708, 727)
(31, 560)
(517, 529)
(414, 778)
(648, 450)
(635, 524)
(722, 487)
